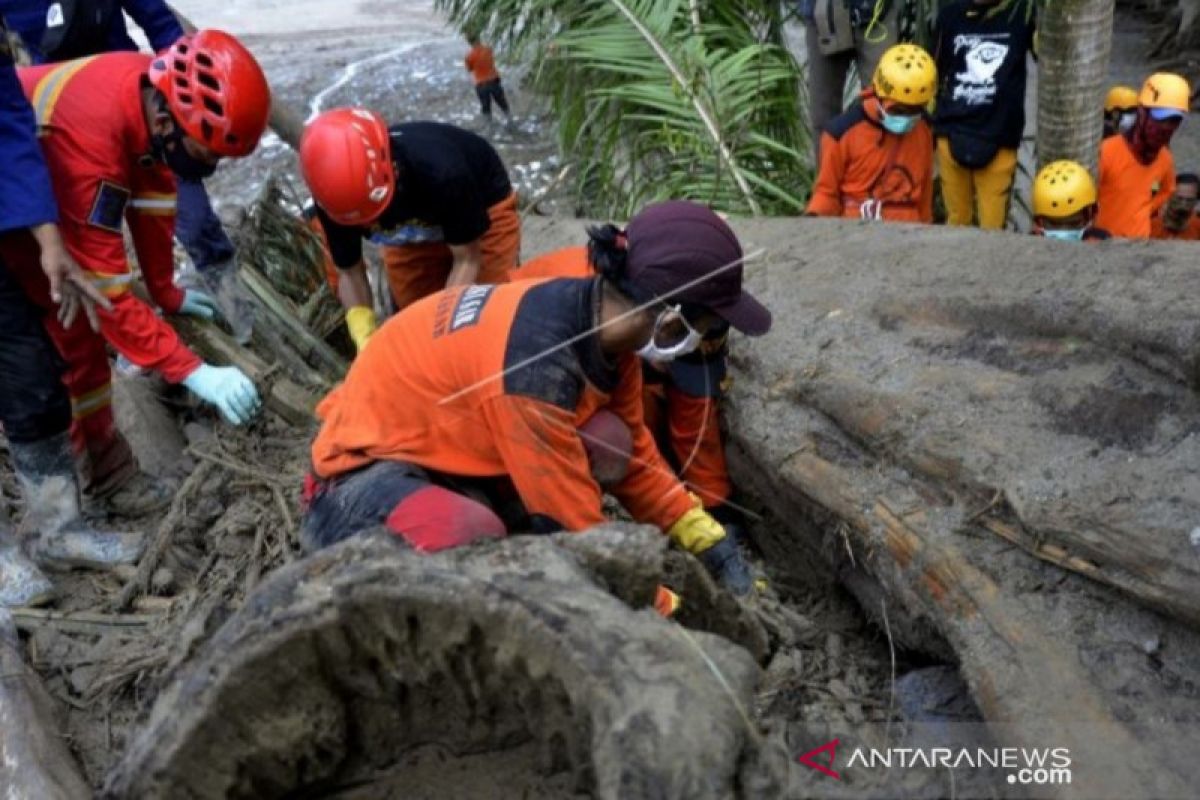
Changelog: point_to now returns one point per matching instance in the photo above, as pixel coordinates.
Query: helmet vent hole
(185, 99)
(214, 107)
(207, 79)
(181, 82)
(180, 65)
(203, 60)
(231, 139)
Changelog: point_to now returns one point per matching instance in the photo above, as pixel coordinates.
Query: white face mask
(1126, 121)
(691, 340)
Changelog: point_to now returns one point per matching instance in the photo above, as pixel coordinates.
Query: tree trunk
(1074, 42)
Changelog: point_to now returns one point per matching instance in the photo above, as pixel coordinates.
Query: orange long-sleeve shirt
(95, 139)
(481, 64)
(478, 381)
(1130, 192)
(861, 161)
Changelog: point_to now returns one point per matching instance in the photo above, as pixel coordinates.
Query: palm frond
(662, 98)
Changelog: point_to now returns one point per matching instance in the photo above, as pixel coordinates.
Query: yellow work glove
(696, 531)
(360, 321)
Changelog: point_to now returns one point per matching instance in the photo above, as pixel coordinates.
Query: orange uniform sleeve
(545, 458)
(91, 219)
(650, 491)
(470, 60)
(826, 198)
(151, 218)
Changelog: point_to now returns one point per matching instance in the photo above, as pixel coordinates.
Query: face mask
(1126, 121)
(1067, 235)
(650, 351)
(898, 124)
(169, 149)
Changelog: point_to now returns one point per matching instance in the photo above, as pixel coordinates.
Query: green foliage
(657, 99)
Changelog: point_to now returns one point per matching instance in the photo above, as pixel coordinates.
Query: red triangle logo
(827, 768)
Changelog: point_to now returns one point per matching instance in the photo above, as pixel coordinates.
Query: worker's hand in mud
(198, 304)
(227, 388)
(70, 289)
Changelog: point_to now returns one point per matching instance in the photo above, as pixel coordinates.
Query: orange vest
(476, 381)
(867, 171)
(1130, 192)
(1190, 232)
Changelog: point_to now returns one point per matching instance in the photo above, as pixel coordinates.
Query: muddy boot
(56, 535)
(139, 495)
(222, 284)
(21, 582)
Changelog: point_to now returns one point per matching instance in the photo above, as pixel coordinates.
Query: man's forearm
(353, 287)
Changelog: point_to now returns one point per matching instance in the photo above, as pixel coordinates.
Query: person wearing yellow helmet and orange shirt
(1120, 110)
(877, 157)
(1137, 171)
(1064, 203)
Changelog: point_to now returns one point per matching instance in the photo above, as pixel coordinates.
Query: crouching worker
(532, 389)
(116, 129)
(436, 197)
(681, 396)
(877, 157)
(1064, 203)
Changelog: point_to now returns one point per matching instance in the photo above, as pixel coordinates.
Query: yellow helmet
(1121, 97)
(1061, 189)
(906, 74)
(1166, 90)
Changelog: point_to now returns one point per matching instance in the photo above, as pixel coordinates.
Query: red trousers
(106, 461)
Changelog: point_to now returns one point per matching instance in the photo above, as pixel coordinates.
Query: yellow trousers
(984, 191)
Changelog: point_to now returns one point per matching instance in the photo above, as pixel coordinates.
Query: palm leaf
(658, 98)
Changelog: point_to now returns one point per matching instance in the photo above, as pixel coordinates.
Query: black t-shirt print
(980, 52)
(447, 179)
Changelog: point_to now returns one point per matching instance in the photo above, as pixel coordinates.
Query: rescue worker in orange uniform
(532, 387)
(114, 127)
(1120, 110)
(437, 198)
(481, 63)
(680, 397)
(877, 157)
(1178, 218)
(1064, 203)
(1136, 169)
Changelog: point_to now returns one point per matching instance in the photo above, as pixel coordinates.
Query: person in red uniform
(114, 128)
(481, 63)
(877, 157)
(680, 397)
(436, 197)
(1178, 219)
(480, 389)
(1136, 168)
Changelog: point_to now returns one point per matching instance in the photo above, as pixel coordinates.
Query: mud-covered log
(35, 763)
(930, 397)
(341, 665)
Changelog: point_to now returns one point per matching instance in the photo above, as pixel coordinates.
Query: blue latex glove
(725, 562)
(197, 304)
(228, 389)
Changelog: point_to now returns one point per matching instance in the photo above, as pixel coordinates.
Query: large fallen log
(340, 667)
(931, 397)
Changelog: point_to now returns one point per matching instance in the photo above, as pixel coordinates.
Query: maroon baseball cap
(676, 244)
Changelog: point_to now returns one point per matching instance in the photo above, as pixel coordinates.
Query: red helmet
(346, 158)
(216, 91)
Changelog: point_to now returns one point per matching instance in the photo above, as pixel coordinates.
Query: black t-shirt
(447, 179)
(980, 53)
